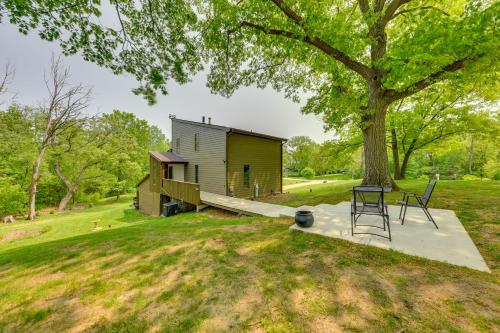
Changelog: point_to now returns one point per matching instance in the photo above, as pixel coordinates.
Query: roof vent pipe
(203, 119)
(210, 120)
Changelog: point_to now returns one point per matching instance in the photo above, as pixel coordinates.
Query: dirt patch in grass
(21, 234)
(325, 324)
(255, 246)
(354, 299)
(213, 244)
(246, 305)
(439, 292)
(220, 213)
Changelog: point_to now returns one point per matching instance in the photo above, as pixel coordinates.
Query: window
(196, 142)
(178, 145)
(246, 175)
(196, 174)
(170, 172)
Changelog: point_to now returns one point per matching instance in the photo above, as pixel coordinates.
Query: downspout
(281, 167)
(226, 161)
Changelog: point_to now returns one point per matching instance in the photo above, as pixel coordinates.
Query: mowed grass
(297, 180)
(291, 181)
(214, 272)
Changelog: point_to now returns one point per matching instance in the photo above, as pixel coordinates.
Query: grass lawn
(214, 271)
(291, 180)
(337, 176)
(296, 180)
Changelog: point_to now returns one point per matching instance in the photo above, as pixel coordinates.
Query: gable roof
(260, 135)
(231, 129)
(167, 157)
(142, 180)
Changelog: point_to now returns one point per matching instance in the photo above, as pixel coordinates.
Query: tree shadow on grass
(197, 273)
(128, 265)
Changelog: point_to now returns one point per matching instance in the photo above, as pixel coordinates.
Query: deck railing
(188, 192)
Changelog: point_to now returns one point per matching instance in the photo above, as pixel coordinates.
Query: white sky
(253, 109)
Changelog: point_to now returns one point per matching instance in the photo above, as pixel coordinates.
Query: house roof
(260, 135)
(167, 157)
(231, 129)
(142, 180)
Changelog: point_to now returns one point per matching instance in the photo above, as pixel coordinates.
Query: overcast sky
(253, 109)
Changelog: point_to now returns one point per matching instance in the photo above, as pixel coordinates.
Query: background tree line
(454, 143)
(56, 154)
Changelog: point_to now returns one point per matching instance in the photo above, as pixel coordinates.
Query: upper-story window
(178, 145)
(196, 142)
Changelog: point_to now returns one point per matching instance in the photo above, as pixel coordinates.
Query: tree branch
(364, 6)
(409, 10)
(379, 5)
(391, 9)
(352, 64)
(317, 42)
(437, 76)
(288, 11)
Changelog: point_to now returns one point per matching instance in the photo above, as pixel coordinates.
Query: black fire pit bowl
(304, 218)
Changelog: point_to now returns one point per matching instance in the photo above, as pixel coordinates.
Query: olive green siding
(155, 172)
(210, 155)
(149, 202)
(265, 161)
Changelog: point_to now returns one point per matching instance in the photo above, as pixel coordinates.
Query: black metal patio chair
(420, 201)
(369, 200)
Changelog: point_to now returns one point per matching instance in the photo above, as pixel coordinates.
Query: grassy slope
(214, 271)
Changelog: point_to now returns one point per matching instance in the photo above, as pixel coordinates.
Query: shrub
(307, 172)
(472, 177)
(492, 169)
(12, 197)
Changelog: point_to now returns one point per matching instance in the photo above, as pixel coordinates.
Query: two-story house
(211, 158)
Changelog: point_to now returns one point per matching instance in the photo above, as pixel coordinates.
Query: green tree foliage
(12, 197)
(353, 58)
(300, 152)
(133, 138)
(307, 172)
(336, 156)
(450, 159)
(151, 40)
(19, 133)
(109, 153)
(425, 118)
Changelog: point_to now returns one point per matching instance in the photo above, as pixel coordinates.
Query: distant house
(211, 158)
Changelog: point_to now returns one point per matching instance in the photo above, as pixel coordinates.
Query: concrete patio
(418, 237)
(450, 243)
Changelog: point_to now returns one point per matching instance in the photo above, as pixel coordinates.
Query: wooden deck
(185, 191)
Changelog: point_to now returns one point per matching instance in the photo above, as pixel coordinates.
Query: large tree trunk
(376, 160)
(395, 153)
(35, 176)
